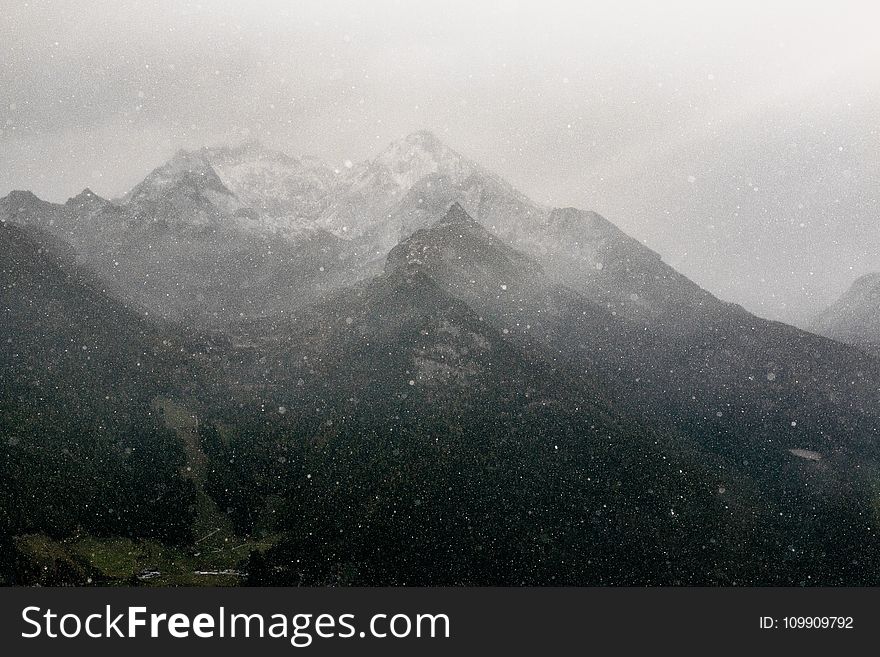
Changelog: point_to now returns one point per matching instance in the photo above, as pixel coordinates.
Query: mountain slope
(434, 380)
(181, 257)
(579, 249)
(67, 339)
(425, 447)
(82, 448)
(855, 317)
(316, 229)
(466, 379)
(184, 192)
(732, 380)
(280, 193)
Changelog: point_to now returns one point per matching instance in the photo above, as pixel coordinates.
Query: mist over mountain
(739, 141)
(855, 317)
(208, 225)
(404, 371)
(83, 448)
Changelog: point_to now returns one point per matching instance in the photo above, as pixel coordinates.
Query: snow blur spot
(807, 454)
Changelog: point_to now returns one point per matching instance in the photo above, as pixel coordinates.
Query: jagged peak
(456, 214)
(255, 151)
(188, 159)
(420, 154)
(455, 227)
(187, 166)
(20, 200)
(85, 196)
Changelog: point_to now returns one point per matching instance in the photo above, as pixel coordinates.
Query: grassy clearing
(125, 561)
(212, 560)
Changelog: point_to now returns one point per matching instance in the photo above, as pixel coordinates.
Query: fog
(740, 142)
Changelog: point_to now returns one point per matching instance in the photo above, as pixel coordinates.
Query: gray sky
(741, 142)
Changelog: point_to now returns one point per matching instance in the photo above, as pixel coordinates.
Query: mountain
(447, 379)
(185, 191)
(579, 249)
(180, 242)
(82, 447)
(279, 193)
(419, 376)
(855, 317)
(64, 337)
(728, 379)
(431, 448)
(225, 234)
(172, 249)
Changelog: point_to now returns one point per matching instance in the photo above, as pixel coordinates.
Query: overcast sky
(741, 142)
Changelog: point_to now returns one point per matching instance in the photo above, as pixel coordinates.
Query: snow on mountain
(580, 249)
(186, 168)
(421, 154)
(281, 193)
(359, 213)
(267, 191)
(367, 192)
(185, 191)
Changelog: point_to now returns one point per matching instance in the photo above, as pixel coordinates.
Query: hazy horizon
(738, 142)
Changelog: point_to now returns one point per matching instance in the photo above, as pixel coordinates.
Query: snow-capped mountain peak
(189, 170)
(274, 184)
(421, 154)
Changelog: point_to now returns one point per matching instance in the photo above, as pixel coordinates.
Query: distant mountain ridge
(330, 228)
(855, 317)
